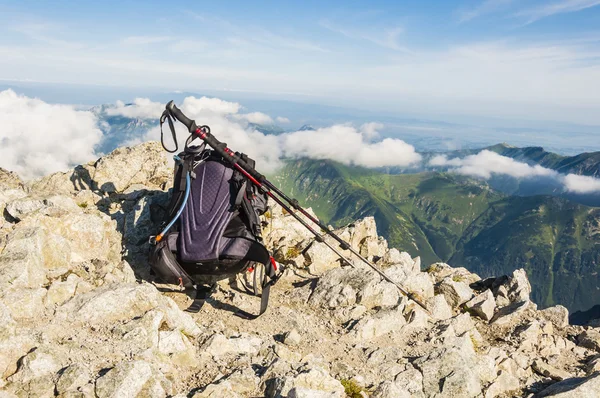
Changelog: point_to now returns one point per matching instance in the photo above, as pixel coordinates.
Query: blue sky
(526, 59)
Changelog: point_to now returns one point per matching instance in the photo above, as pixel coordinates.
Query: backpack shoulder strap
(270, 278)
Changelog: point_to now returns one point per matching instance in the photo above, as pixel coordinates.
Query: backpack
(212, 227)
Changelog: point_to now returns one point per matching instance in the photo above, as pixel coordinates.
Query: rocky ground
(81, 317)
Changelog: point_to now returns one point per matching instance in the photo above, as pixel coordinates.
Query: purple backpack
(212, 229)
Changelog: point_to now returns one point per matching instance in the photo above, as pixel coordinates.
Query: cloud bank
(37, 138)
(343, 143)
(486, 164)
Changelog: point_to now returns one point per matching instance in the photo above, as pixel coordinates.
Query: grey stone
(583, 387)
(590, 339)
(504, 384)
(132, 379)
(544, 369)
(456, 292)
(483, 305)
(558, 315)
(218, 345)
(292, 337)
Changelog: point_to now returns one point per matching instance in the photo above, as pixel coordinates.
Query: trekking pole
(203, 132)
(343, 244)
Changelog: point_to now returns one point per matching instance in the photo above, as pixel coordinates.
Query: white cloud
(198, 106)
(38, 138)
(369, 130)
(581, 184)
(485, 164)
(256, 118)
(557, 7)
(144, 40)
(268, 150)
(141, 108)
(386, 38)
(484, 8)
(281, 119)
(347, 145)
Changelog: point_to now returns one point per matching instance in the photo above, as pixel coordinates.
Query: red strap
(273, 263)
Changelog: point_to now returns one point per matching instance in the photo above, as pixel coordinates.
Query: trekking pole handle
(177, 114)
(203, 132)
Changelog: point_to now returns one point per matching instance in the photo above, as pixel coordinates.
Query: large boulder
(144, 164)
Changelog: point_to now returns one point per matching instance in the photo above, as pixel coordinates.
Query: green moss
(457, 278)
(353, 390)
(292, 252)
(83, 205)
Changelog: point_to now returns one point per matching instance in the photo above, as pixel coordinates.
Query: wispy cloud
(558, 7)
(45, 32)
(242, 35)
(386, 38)
(484, 8)
(144, 40)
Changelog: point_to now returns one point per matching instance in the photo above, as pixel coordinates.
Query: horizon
(530, 61)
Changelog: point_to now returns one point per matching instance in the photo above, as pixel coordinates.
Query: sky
(526, 59)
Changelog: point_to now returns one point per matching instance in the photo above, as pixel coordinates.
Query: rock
(139, 224)
(17, 209)
(144, 164)
(441, 271)
(420, 284)
(59, 291)
(64, 183)
(511, 313)
(24, 304)
(584, 387)
(593, 365)
(451, 370)
(222, 389)
(411, 381)
(504, 384)
(518, 287)
(349, 286)
(321, 258)
(10, 180)
(455, 292)
(292, 338)
(132, 379)
(590, 339)
(218, 345)
(316, 382)
(72, 378)
(383, 322)
(482, 305)
(439, 308)
(390, 389)
(241, 383)
(558, 315)
(109, 304)
(14, 344)
(544, 369)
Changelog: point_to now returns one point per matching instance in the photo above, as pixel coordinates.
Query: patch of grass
(292, 253)
(83, 205)
(475, 343)
(352, 388)
(458, 278)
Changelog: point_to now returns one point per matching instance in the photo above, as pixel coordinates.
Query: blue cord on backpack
(188, 184)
